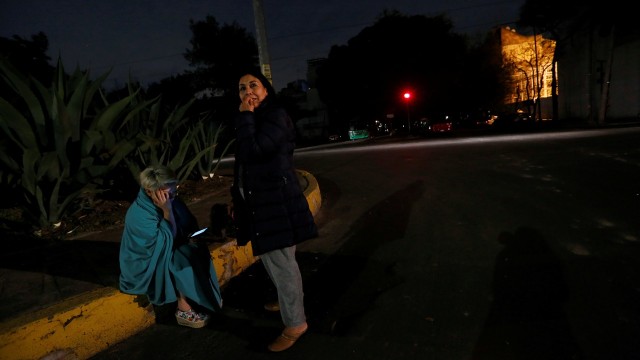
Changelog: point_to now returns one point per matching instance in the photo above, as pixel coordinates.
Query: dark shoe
(286, 340)
(191, 318)
(272, 306)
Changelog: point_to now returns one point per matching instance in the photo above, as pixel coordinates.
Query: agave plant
(172, 139)
(62, 138)
(207, 133)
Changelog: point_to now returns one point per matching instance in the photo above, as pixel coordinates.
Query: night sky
(146, 38)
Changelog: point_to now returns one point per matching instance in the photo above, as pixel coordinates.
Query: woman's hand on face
(161, 199)
(247, 103)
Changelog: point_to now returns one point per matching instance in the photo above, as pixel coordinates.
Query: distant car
(436, 124)
(441, 126)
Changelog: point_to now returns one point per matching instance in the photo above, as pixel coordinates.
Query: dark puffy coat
(274, 213)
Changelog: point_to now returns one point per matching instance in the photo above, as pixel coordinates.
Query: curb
(87, 324)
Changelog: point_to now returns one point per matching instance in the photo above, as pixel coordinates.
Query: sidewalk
(64, 302)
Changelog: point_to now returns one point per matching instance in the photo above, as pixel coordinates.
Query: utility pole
(261, 38)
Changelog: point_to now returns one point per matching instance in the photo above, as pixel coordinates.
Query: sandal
(285, 341)
(191, 318)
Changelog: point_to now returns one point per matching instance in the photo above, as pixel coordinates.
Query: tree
(549, 17)
(28, 56)
(174, 90)
(529, 63)
(362, 80)
(220, 53)
(486, 80)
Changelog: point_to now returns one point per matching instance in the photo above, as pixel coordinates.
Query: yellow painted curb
(87, 324)
(229, 259)
(78, 328)
(312, 192)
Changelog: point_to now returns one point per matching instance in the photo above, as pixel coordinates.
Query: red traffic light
(406, 95)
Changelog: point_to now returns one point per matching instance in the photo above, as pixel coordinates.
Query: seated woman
(158, 259)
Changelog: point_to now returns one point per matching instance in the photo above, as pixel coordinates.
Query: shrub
(59, 139)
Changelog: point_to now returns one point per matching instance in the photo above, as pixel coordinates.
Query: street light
(407, 98)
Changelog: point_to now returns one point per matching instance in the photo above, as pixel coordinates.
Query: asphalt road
(511, 246)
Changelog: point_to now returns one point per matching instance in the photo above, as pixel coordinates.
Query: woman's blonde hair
(156, 177)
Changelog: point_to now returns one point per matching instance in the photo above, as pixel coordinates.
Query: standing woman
(270, 209)
(158, 259)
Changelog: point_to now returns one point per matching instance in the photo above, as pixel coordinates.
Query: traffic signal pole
(407, 99)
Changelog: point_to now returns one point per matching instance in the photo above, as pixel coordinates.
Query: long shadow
(338, 288)
(527, 319)
(341, 288)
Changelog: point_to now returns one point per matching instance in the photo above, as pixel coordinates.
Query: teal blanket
(155, 264)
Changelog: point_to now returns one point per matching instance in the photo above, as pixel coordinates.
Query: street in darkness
(485, 246)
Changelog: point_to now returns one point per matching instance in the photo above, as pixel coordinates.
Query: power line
(322, 30)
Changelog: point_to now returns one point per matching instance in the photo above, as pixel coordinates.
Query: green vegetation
(61, 143)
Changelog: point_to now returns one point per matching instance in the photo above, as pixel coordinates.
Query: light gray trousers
(283, 270)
